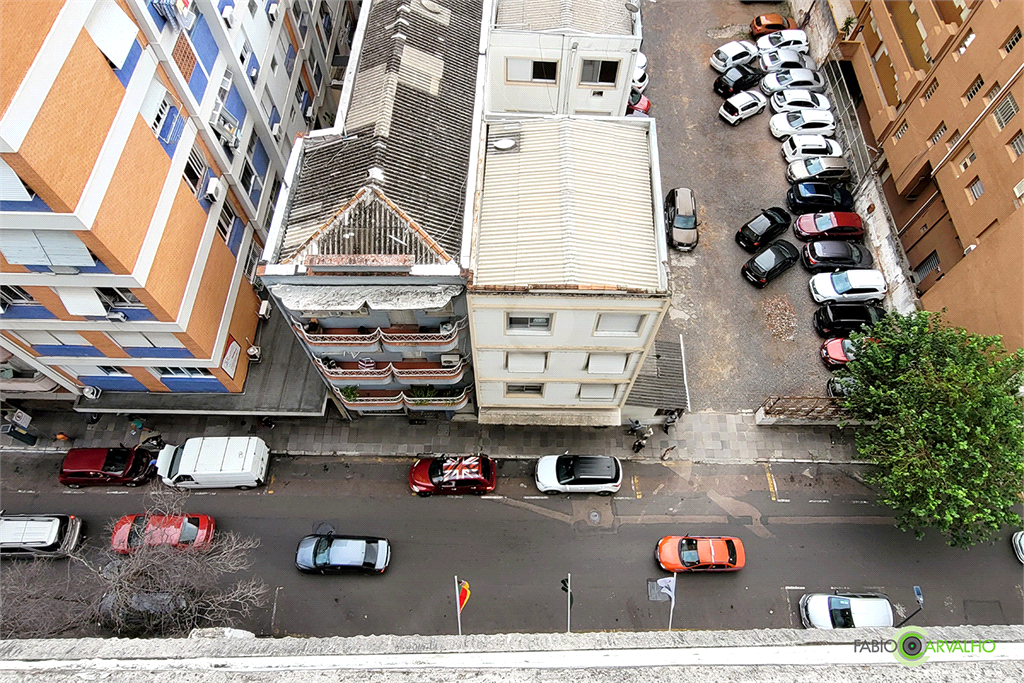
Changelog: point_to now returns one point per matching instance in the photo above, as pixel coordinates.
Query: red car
(637, 102)
(700, 554)
(474, 474)
(770, 23)
(99, 466)
(838, 225)
(179, 531)
(838, 351)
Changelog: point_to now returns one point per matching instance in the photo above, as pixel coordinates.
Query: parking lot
(742, 344)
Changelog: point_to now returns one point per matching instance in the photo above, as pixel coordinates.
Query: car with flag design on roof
(446, 474)
(700, 554)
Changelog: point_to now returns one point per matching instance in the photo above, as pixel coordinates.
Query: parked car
(743, 106)
(179, 531)
(333, 554)
(637, 102)
(640, 80)
(1018, 545)
(839, 320)
(803, 79)
(100, 466)
(836, 225)
(679, 554)
(770, 23)
(811, 197)
(840, 387)
(848, 286)
(736, 80)
(826, 169)
(845, 610)
(807, 146)
(762, 228)
(733, 54)
(838, 351)
(129, 613)
(600, 474)
(769, 263)
(784, 59)
(462, 474)
(681, 219)
(44, 536)
(795, 99)
(825, 255)
(803, 122)
(792, 39)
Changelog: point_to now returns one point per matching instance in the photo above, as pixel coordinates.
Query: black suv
(737, 79)
(762, 229)
(839, 320)
(826, 255)
(818, 198)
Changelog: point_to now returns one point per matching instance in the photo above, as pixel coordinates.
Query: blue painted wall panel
(204, 385)
(98, 268)
(205, 45)
(109, 383)
(275, 116)
(235, 238)
(160, 21)
(224, 3)
(28, 313)
(260, 159)
(252, 69)
(236, 106)
(34, 204)
(168, 139)
(255, 194)
(67, 350)
(137, 315)
(37, 269)
(155, 352)
(197, 84)
(124, 74)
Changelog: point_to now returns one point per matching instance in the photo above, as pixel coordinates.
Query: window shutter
(112, 31)
(81, 301)
(597, 392)
(129, 339)
(20, 247)
(164, 340)
(521, 361)
(518, 69)
(607, 363)
(64, 248)
(11, 187)
(619, 322)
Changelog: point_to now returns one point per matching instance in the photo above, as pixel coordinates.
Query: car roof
(735, 47)
(593, 466)
(870, 611)
(807, 140)
(864, 277)
(462, 468)
(802, 73)
(813, 115)
(85, 459)
(791, 33)
(795, 93)
(744, 96)
(830, 248)
(686, 204)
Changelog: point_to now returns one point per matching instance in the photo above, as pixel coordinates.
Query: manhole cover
(595, 517)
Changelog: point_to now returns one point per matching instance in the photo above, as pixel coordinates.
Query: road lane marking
(771, 481)
(796, 588)
(783, 500)
(492, 497)
(26, 491)
(860, 502)
(116, 493)
(273, 614)
(73, 493)
(817, 501)
(660, 487)
(536, 497)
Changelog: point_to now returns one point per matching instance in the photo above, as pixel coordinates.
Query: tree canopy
(944, 414)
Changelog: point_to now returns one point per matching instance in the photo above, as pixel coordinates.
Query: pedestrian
(670, 420)
(639, 444)
(634, 427)
(61, 436)
(137, 424)
(267, 422)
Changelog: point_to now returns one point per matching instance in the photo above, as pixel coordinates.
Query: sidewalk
(696, 437)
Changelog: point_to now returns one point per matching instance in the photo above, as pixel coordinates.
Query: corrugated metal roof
(569, 204)
(604, 17)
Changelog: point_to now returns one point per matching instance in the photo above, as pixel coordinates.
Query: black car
(839, 320)
(331, 554)
(762, 229)
(770, 262)
(737, 79)
(840, 387)
(826, 255)
(818, 197)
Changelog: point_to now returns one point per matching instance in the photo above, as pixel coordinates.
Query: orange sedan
(700, 554)
(770, 23)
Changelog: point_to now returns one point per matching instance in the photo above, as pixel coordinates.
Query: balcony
(380, 401)
(398, 338)
(412, 372)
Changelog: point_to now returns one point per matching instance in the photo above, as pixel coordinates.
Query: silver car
(681, 219)
(807, 146)
(804, 79)
(600, 474)
(803, 122)
(784, 59)
(1018, 545)
(794, 99)
(791, 39)
(822, 169)
(845, 610)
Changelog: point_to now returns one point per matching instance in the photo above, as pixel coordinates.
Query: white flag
(668, 586)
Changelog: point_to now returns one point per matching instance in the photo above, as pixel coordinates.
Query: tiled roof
(394, 182)
(602, 17)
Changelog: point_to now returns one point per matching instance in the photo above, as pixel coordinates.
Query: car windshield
(814, 166)
(839, 610)
(634, 97)
(688, 552)
(796, 119)
(823, 221)
(322, 552)
(849, 349)
(759, 225)
(117, 460)
(841, 282)
(370, 558)
(137, 531)
(837, 195)
(721, 56)
(683, 222)
(733, 75)
(731, 547)
(785, 78)
(767, 260)
(730, 108)
(189, 530)
(435, 472)
(564, 469)
(775, 38)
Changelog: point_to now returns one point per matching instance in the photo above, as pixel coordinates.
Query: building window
(931, 89)
(930, 263)
(598, 72)
(119, 297)
(607, 363)
(618, 324)
(968, 160)
(252, 8)
(534, 362)
(11, 294)
(939, 132)
(252, 260)
(524, 389)
(161, 114)
(974, 89)
(597, 392)
(111, 370)
(300, 93)
(529, 323)
(962, 48)
(953, 139)
(1012, 40)
(901, 131)
(244, 52)
(1005, 111)
(523, 70)
(976, 188)
(183, 372)
(225, 220)
(992, 92)
(195, 170)
(1017, 143)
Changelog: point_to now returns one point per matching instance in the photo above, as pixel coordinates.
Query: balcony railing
(391, 341)
(381, 401)
(405, 372)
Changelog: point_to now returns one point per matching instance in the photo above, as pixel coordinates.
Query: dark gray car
(331, 554)
(681, 219)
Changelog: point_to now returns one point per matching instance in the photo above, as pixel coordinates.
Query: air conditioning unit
(254, 73)
(91, 392)
(969, 249)
(272, 13)
(228, 15)
(265, 310)
(254, 353)
(275, 129)
(309, 113)
(117, 316)
(214, 190)
(450, 360)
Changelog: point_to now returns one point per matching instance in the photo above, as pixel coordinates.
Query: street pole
(672, 605)
(458, 604)
(568, 604)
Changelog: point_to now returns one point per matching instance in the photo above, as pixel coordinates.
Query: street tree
(942, 408)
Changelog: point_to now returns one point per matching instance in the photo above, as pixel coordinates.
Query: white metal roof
(569, 204)
(601, 17)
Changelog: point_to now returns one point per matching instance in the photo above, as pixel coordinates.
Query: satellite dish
(633, 6)
(504, 144)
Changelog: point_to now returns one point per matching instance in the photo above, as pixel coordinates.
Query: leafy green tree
(944, 415)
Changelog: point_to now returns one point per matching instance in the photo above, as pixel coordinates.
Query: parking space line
(686, 382)
(492, 497)
(26, 491)
(771, 481)
(817, 501)
(534, 497)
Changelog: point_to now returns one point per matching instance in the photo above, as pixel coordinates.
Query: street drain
(595, 517)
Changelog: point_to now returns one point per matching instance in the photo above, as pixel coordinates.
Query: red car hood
(419, 475)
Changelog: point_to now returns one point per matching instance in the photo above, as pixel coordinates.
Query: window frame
(543, 362)
(533, 71)
(598, 332)
(13, 295)
(975, 88)
(527, 389)
(997, 113)
(598, 83)
(976, 194)
(602, 399)
(119, 297)
(1016, 144)
(195, 156)
(225, 230)
(529, 329)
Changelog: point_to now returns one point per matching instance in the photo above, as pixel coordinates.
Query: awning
(323, 300)
(81, 301)
(112, 31)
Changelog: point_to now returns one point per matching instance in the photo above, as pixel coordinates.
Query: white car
(818, 169)
(807, 146)
(789, 39)
(845, 610)
(794, 99)
(600, 474)
(784, 59)
(640, 79)
(792, 78)
(733, 54)
(742, 106)
(1018, 545)
(848, 286)
(803, 122)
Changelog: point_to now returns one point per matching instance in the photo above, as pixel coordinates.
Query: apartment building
(562, 56)
(940, 90)
(367, 247)
(141, 145)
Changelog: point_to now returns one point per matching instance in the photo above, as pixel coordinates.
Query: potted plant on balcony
(350, 393)
(421, 395)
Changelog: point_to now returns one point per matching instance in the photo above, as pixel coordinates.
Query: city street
(805, 528)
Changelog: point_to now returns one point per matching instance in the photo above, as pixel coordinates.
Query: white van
(215, 462)
(39, 535)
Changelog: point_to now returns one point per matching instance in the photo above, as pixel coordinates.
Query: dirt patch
(741, 31)
(780, 316)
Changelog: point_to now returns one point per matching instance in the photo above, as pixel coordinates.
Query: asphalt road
(821, 532)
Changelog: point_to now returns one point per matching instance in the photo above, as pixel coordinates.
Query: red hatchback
(474, 474)
(179, 531)
(838, 225)
(838, 351)
(99, 466)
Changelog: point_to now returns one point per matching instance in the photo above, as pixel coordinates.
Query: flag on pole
(463, 594)
(668, 586)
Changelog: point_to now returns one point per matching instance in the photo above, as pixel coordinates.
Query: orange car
(770, 23)
(700, 554)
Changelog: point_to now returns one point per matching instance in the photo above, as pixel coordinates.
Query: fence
(795, 410)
